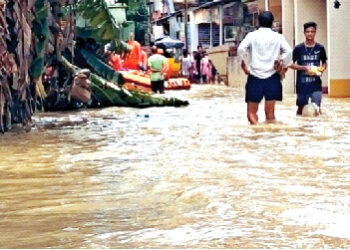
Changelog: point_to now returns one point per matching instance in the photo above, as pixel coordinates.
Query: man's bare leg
(252, 110)
(270, 111)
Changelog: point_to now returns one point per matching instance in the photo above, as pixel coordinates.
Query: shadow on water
(191, 177)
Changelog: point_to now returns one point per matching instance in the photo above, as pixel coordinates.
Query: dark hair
(310, 24)
(185, 52)
(265, 19)
(154, 49)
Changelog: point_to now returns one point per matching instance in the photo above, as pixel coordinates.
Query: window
(239, 19)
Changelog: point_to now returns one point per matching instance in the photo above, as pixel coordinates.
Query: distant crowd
(197, 67)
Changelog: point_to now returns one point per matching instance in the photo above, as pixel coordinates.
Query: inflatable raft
(141, 80)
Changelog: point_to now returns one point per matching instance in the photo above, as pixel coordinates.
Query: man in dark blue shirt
(310, 60)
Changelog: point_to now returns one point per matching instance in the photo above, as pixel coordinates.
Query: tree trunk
(15, 60)
(29, 38)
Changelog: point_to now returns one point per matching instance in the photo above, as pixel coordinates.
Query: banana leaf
(37, 67)
(106, 93)
(42, 13)
(101, 68)
(102, 24)
(99, 18)
(39, 4)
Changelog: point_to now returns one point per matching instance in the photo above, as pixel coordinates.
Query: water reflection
(196, 176)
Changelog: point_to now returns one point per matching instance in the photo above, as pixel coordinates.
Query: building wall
(227, 66)
(275, 7)
(339, 40)
(312, 10)
(236, 77)
(218, 56)
(194, 32)
(288, 32)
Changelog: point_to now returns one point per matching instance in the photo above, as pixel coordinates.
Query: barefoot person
(310, 60)
(264, 47)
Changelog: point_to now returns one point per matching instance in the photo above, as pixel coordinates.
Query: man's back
(156, 63)
(264, 46)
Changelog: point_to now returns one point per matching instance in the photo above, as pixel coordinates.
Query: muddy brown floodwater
(190, 177)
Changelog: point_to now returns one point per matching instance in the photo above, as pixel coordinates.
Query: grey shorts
(303, 99)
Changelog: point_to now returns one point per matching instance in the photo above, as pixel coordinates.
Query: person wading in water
(264, 47)
(310, 61)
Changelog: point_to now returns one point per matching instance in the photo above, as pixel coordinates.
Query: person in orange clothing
(113, 59)
(133, 58)
(144, 60)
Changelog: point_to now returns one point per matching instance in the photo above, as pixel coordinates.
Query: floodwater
(190, 177)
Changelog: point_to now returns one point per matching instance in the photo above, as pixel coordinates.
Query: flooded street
(190, 177)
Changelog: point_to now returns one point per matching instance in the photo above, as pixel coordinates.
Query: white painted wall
(339, 40)
(288, 32)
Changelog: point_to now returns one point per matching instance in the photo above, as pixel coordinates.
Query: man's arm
(296, 66)
(149, 65)
(245, 68)
(323, 59)
(243, 48)
(324, 66)
(242, 52)
(165, 67)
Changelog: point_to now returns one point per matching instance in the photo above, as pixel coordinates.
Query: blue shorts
(257, 89)
(303, 99)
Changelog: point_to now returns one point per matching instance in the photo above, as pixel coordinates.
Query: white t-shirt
(185, 65)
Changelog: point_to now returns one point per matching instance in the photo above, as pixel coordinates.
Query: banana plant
(104, 28)
(42, 35)
(15, 58)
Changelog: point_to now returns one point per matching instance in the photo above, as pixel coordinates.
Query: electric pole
(185, 22)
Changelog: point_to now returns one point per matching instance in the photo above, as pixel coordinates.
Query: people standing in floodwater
(132, 58)
(265, 47)
(310, 61)
(205, 68)
(158, 65)
(143, 60)
(213, 72)
(198, 57)
(185, 63)
(193, 68)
